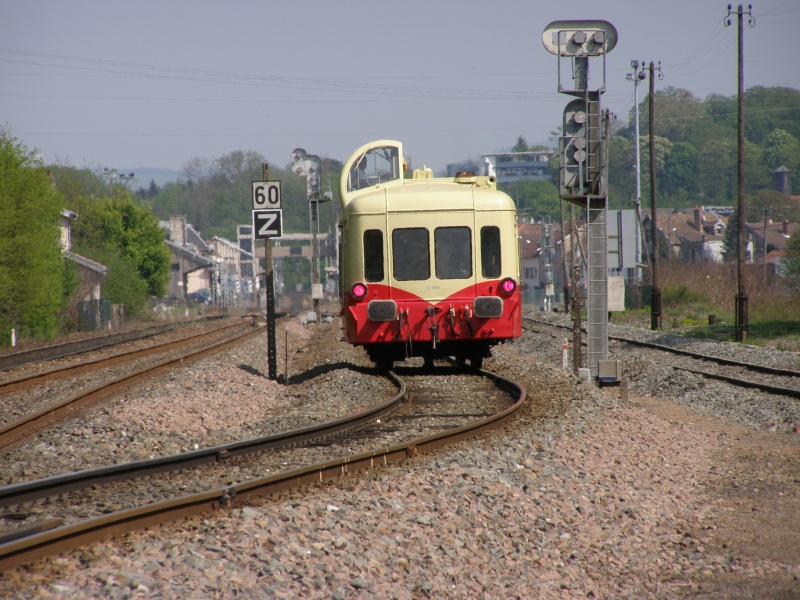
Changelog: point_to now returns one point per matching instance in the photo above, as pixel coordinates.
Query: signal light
(508, 285)
(358, 291)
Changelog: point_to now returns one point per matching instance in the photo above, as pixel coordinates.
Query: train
(429, 266)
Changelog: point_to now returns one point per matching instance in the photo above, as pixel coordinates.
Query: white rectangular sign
(266, 195)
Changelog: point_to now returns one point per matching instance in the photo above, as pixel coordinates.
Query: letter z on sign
(267, 224)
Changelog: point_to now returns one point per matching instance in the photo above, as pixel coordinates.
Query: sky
(157, 83)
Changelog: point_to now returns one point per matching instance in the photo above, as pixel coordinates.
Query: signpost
(267, 225)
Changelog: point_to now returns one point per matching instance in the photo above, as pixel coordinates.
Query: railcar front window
(373, 255)
(411, 258)
(452, 248)
(490, 252)
(378, 165)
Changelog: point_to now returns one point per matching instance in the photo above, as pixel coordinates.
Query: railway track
(767, 378)
(148, 361)
(9, 360)
(432, 406)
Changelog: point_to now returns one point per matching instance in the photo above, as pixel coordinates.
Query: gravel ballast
(663, 495)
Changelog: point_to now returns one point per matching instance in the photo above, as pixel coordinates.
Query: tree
(34, 281)
(119, 225)
(782, 149)
(622, 171)
(792, 260)
(716, 176)
(534, 197)
(521, 145)
(771, 202)
(663, 147)
(674, 109)
(730, 245)
(680, 169)
(768, 109)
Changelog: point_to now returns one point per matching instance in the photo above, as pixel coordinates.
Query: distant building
(782, 180)
(90, 272)
(515, 166)
(508, 167)
(697, 237)
(468, 165)
(191, 266)
(771, 237)
(228, 287)
(540, 249)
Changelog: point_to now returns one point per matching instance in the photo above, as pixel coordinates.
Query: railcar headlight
(359, 290)
(508, 285)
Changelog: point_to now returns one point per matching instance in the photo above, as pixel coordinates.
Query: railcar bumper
(484, 318)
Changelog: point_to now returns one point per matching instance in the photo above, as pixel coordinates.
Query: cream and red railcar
(429, 266)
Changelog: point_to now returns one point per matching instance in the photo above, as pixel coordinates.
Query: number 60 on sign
(266, 194)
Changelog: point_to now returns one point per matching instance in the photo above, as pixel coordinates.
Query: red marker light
(358, 291)
(508, 285)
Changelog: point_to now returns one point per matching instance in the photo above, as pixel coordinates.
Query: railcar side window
(373, 255)
(452, 247)
(410, 254)
(490, 252)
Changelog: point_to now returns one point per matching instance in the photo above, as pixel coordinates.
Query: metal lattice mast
(583, 168)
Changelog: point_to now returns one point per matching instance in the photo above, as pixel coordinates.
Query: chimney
(785, 227)
(698, 221)
(177, 230)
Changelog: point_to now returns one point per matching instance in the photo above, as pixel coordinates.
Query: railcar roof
(427, 196)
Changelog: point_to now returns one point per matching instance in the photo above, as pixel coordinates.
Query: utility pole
(655, 301)
(742, 325)
(636, 77)
(766, 220)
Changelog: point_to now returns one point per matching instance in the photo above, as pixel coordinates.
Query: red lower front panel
(451, 319)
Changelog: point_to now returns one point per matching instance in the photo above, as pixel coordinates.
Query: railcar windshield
(453, 252)
(410, 254)
(377, 165)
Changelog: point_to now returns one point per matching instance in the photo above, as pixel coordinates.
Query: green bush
(681, 295)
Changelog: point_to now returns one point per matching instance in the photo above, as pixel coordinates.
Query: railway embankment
(689, 488)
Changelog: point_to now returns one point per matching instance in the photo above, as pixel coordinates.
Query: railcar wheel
(476, 362)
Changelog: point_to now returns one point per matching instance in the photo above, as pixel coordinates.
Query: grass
(691, 293)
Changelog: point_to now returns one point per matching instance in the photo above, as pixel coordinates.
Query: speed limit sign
(266, 195)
